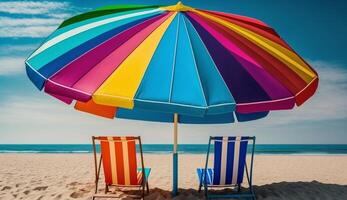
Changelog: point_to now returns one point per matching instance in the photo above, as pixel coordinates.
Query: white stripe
(223, 164)
(125, 161)
(86, 27)
(236, 159)
(113, 161)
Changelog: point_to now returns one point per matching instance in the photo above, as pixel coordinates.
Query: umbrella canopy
(148, 62)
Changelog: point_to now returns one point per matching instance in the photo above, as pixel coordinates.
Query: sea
(270, 149)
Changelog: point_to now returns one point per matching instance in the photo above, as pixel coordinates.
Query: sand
(71, 176)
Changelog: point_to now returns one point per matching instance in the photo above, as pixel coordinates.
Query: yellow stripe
(126, 161)
(120, 88)
(286, 56)
(113, 161)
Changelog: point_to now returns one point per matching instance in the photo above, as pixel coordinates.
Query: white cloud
(11, 65)
(20, 22)
(21, 49)
(32, 7)
(27, 27)
(33, 19)
(27, 31)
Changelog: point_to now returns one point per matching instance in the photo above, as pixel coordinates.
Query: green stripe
(103, 11)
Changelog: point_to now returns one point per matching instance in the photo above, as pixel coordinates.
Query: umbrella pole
(175, 159)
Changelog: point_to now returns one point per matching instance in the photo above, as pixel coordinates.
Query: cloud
(27, 27)
(15, 49)
(11, 66)
(33, 19)
(32, 7)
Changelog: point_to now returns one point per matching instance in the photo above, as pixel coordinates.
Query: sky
(315, 29)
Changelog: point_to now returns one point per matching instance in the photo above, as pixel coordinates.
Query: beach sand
(71, 176)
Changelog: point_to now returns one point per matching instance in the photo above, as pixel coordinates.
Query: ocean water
(183, 148)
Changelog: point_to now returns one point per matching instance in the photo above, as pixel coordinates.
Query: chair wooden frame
(249, 174)
(97, 164)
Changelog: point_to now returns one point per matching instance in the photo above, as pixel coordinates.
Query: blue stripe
(242, 160)
(185, 69)
(72, 42)
(58, 63)
(35, 77)
(230, 162)
(217, 160)
(215, 89)
(209, 175)
(92, 20)
(156, 82)
(150, 115)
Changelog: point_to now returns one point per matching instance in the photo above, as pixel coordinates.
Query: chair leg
(205, 188)
(147, 187)
(143, 191)
(200, 186)
(96, 187)
(106, 189)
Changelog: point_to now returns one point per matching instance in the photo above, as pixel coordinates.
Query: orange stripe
(139, 177)
(113, 161)
(96, 109)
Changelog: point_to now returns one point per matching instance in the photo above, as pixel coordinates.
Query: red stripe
(119, 162)
(307, 93)
(257, 30)
(245, 20)
(132, 162)
(271, 64)
(106, 161)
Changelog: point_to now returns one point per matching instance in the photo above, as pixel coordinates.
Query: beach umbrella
(171, 64)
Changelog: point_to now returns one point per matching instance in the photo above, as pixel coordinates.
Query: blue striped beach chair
(228, 167)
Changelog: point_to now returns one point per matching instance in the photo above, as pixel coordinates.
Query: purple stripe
(247, 80)
(241, 85)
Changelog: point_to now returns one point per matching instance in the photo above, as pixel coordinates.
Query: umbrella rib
(214, 64)
(195, 65)
(174, 62)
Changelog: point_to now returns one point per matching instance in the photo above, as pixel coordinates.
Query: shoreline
(71, 176)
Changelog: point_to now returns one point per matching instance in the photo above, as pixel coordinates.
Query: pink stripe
(272, 87)
(62, 82)
(96, 76)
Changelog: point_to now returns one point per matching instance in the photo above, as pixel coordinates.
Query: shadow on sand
(276, 191)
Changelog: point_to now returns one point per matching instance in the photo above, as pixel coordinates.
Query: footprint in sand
(26, 192)
(58, 197)
(41, 188)
(6, 188)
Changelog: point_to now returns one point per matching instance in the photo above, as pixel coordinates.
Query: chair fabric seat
(139, 174)
(209, 176)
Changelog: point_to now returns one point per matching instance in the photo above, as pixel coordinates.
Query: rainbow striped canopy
(148, 62)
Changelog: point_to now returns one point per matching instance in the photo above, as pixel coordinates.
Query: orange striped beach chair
(119, 163)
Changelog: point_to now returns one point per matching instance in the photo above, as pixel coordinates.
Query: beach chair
(119, 162)
(228, 167)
